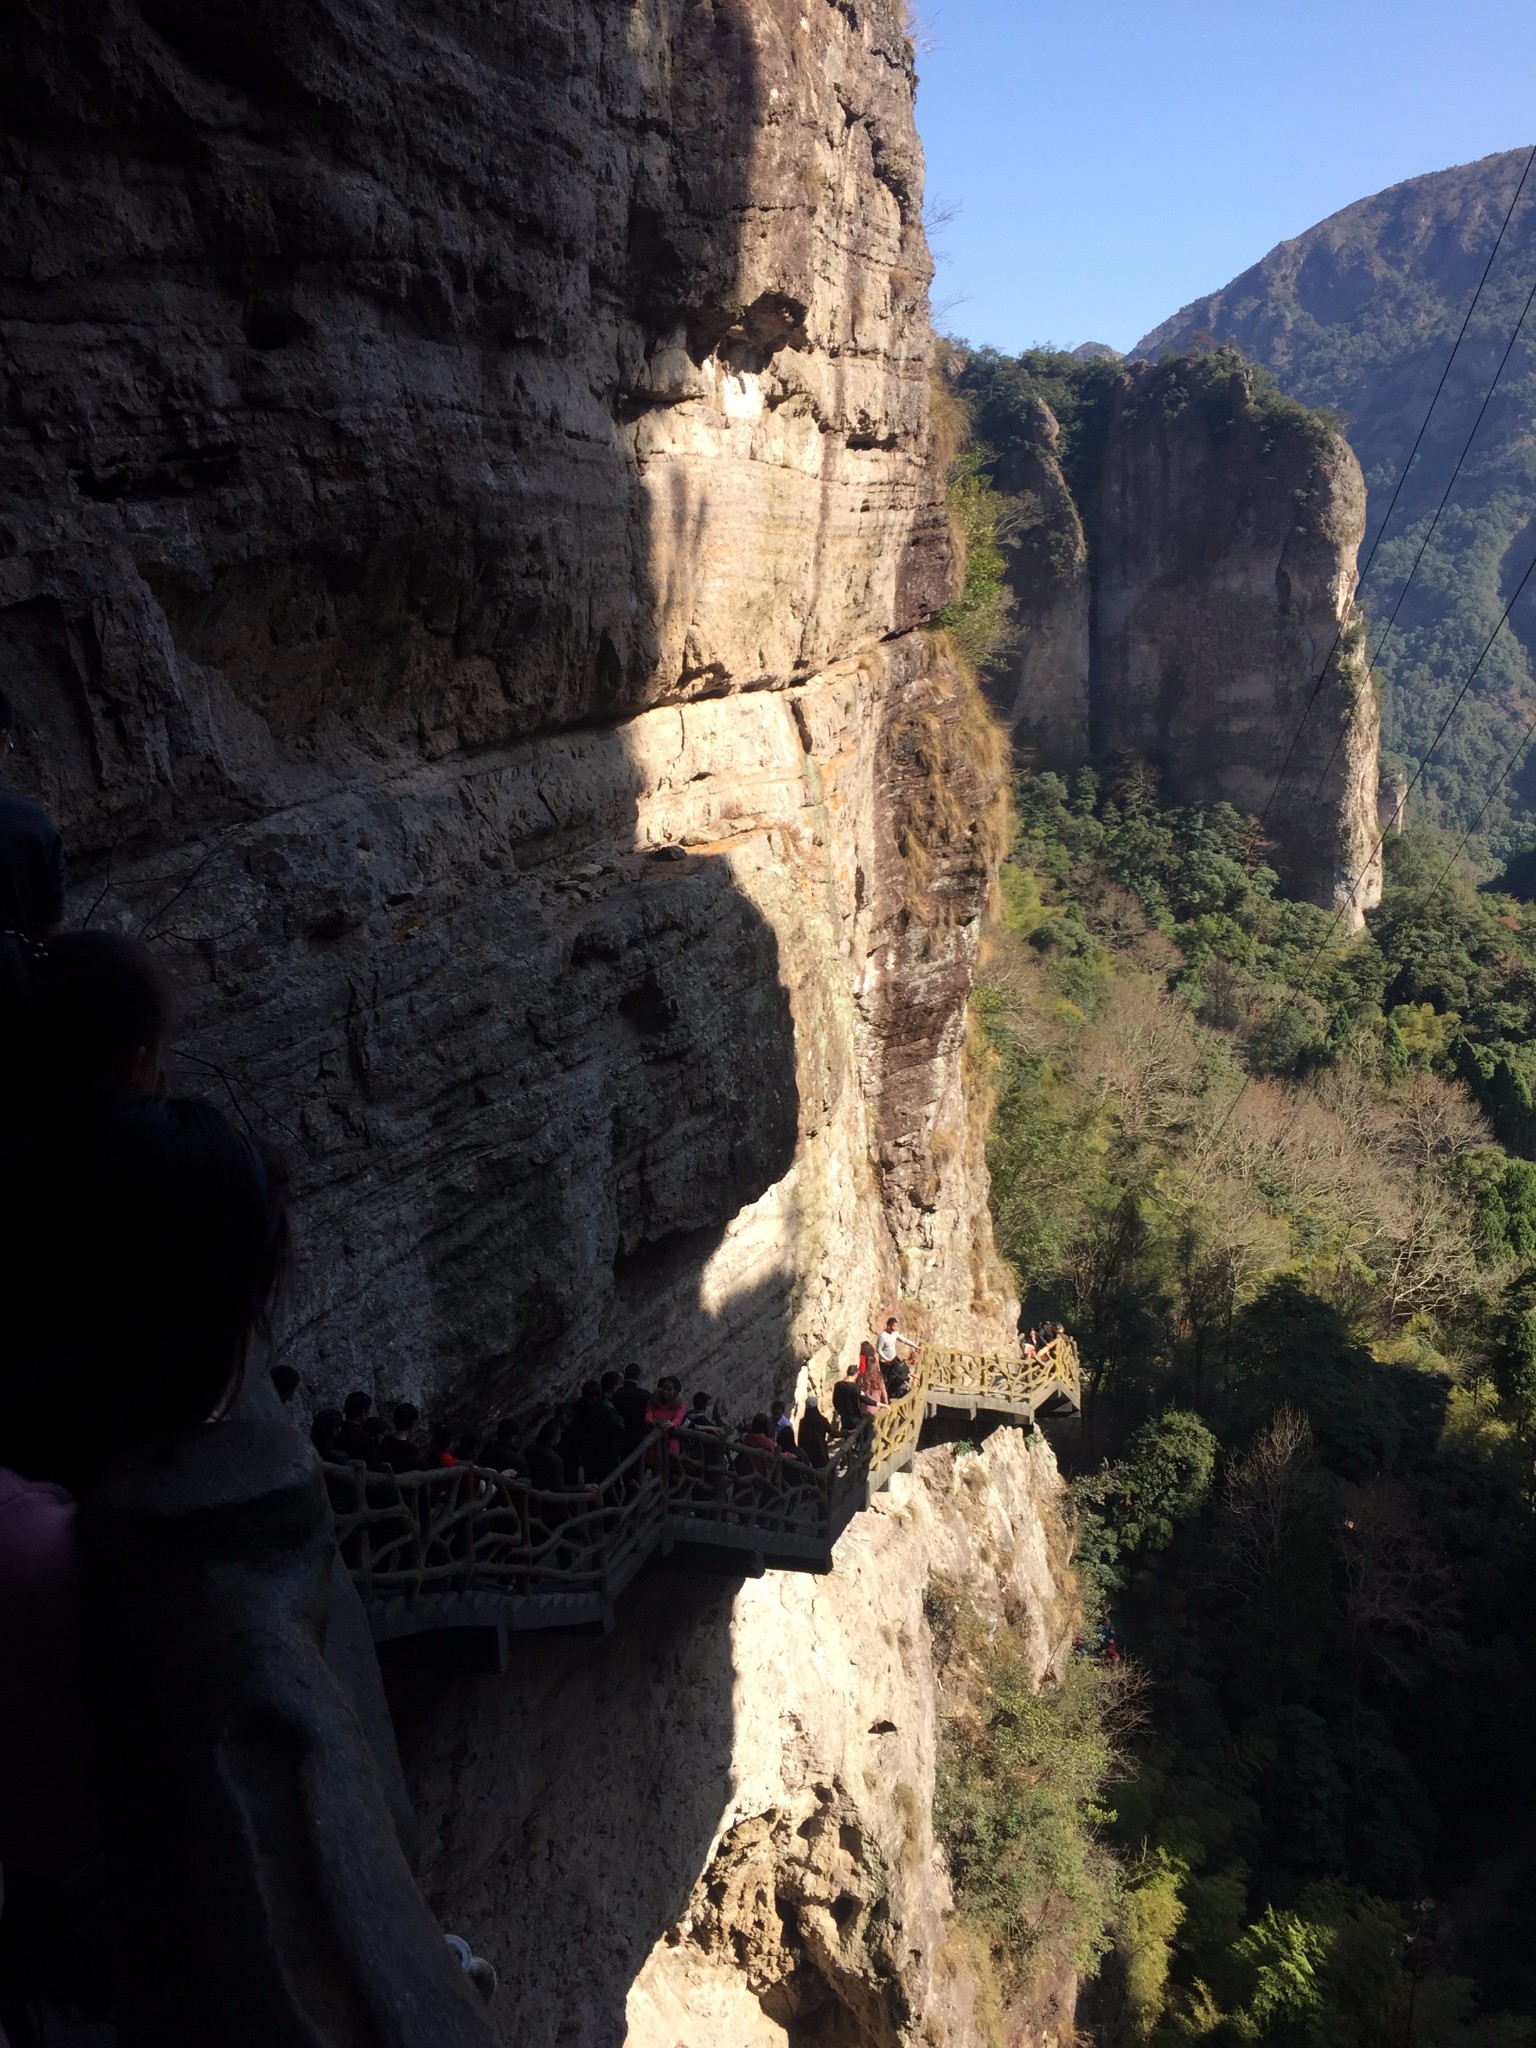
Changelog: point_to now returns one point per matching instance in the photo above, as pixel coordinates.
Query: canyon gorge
(472, 518)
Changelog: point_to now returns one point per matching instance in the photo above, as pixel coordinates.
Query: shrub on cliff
(977, 618)
(1019, 1800)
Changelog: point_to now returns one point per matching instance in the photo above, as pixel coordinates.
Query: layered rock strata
(469, 513)
(468, 504)
(1190, 604)
(718, 1829)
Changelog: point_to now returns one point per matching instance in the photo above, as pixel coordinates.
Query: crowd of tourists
(581, 1442)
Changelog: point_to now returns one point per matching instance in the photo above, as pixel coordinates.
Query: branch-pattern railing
(468, 1529)
(1013, 1382)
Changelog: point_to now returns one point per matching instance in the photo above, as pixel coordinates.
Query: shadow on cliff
(362, 774)
(580, 1794)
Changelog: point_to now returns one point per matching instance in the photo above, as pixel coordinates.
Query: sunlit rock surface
(713, 1829)
(1192, 611)
(469, 510)
(453, 462)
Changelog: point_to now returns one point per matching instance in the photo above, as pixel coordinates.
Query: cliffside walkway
(471, 1550)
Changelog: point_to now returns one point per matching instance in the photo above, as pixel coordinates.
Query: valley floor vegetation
(1289, 1212)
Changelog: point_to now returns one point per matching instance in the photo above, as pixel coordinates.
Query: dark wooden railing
(469, 1548)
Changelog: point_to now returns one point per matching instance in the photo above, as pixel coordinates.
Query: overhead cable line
(1401, 480)
(1508, 769)
(1371, 660)
(1299, 989)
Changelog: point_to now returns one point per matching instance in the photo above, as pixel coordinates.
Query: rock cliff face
(1184, 600)
(468, 510)
(722, 1838)
(468, 505)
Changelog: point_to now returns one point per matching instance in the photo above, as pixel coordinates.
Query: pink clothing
(48, 1817)
(659, 1416)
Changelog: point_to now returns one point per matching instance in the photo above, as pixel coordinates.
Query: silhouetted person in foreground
(31, 855)
(250, 1798)
(84, 1023)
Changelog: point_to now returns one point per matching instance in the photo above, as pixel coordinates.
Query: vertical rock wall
(469, 510)
(713, 1829)
(469, 502)
(1194, 609)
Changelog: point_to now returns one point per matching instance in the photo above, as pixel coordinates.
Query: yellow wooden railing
(466, 1546)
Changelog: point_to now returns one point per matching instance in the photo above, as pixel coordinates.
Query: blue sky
(1111, 159)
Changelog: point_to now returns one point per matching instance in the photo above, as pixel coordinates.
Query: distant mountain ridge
(1359, 314)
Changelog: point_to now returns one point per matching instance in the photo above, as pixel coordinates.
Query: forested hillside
(1360, 314)
(1278, 1187)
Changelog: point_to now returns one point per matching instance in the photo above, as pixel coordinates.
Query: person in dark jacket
(814, 1434)
(848, 1401)
(546, 1467)
(323, 1432)
(596, 1440)
(631, 1401)
(354, 1440)
(396, 1449)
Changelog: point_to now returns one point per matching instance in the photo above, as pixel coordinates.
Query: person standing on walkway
(848, 1400)
(814, 1434)
(31, 856)
(888, 1344)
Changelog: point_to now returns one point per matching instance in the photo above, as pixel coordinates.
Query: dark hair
(373, 1425)
(701, 1399)
(610, 1383)
(285, 1381)
(442, 1437)
(550, 1432)
(75, 1011)
(322, 1431)
(632, 1372)
(761, 1424)
(669, 1380)
(590, 1390)
(406, 1415)
(147, 1241)
(787, 1438)
(356, 1405)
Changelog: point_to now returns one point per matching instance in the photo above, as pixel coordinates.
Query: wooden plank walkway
(473, 1555)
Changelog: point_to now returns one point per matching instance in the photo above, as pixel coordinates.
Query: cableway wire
(1381, 839)
(1371, 660)
(1402, 479)
(1508, 769)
